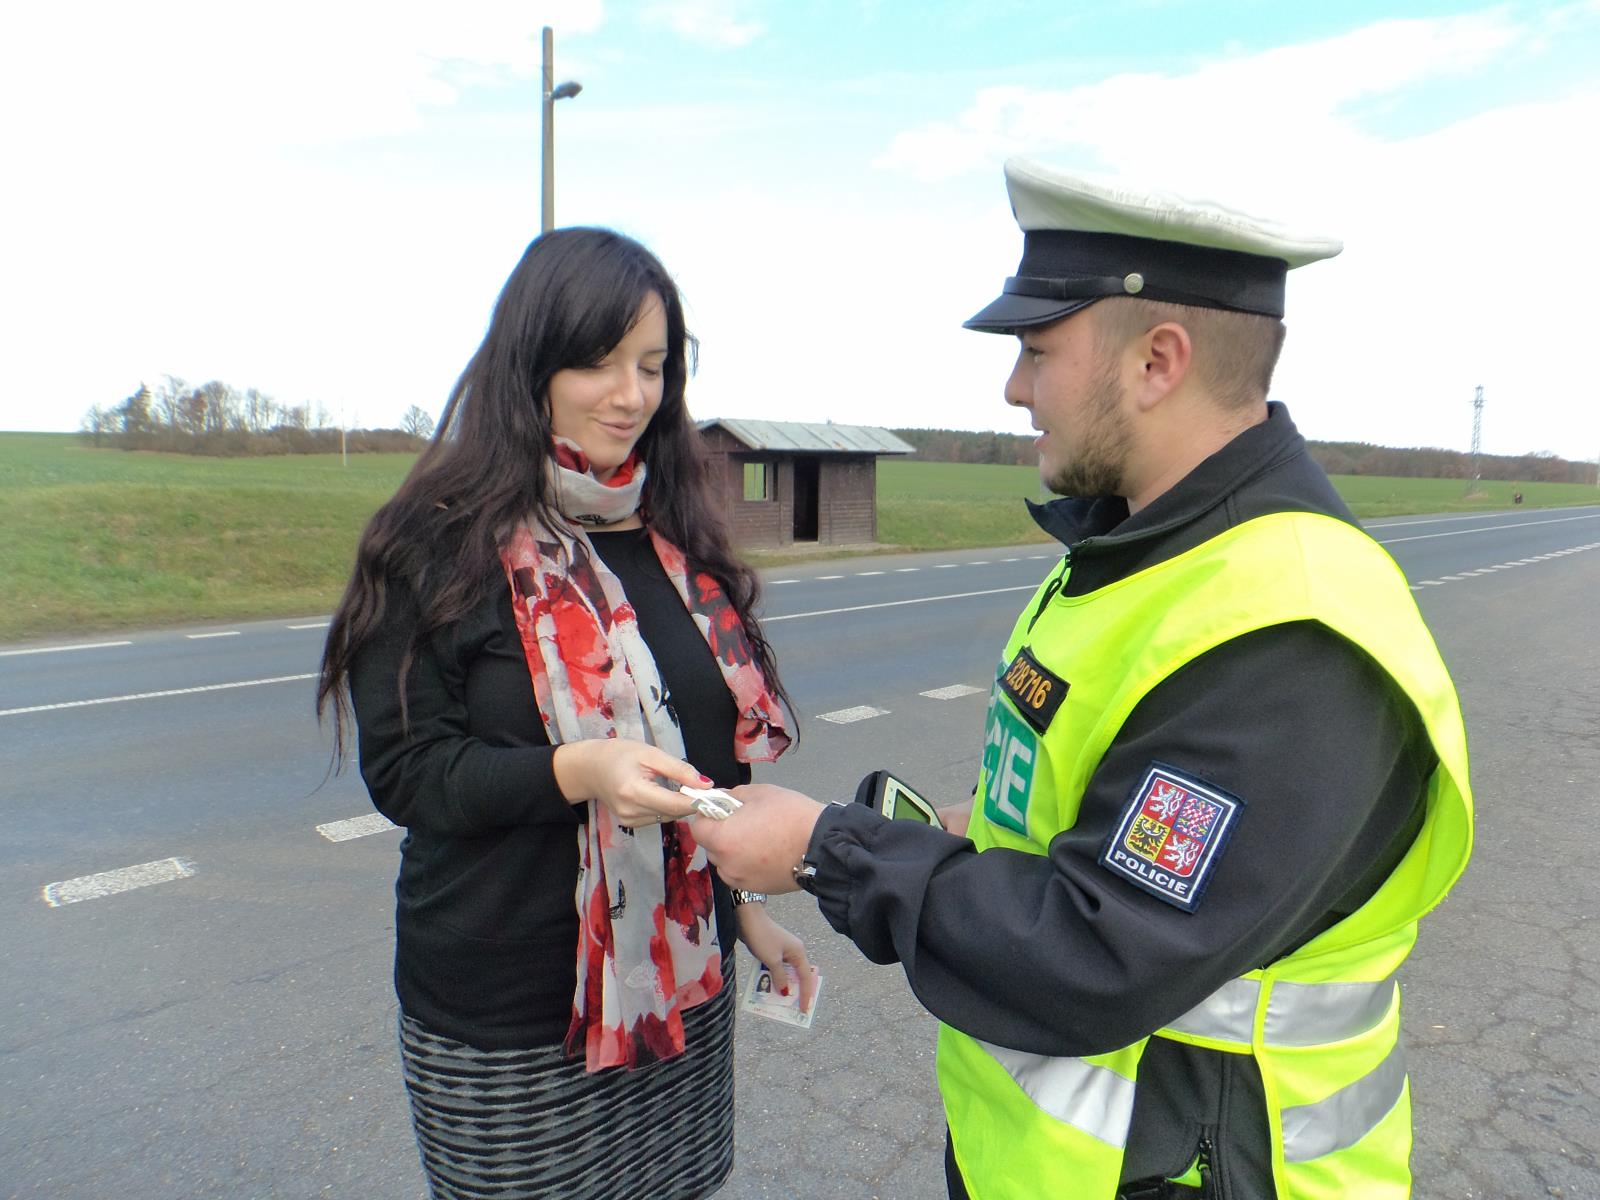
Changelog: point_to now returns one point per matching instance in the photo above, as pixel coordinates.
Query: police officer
(1224, 770)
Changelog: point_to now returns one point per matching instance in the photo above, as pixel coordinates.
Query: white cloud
(1290, 101)
(1464, 244)
(717, 23)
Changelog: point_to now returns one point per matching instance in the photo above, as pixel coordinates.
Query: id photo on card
(763, 995)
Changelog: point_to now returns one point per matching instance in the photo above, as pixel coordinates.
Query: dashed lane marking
(356, 827)
(776, 582)
(110, 883)
(865, 573)
(1505, 566)
(828, 612)
(845, 716)
(906, 570)
(954, 692)
(311, 625)
(59, 649)
(210, 687)
(195, 637)
(830, 576)
(944, 566)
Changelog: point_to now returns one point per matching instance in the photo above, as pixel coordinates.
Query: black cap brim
(1011, 312)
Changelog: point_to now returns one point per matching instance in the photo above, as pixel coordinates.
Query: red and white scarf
(647, 945)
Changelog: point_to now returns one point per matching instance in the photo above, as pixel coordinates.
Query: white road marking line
(355, 827)
(59, 649)
(863, 573)
(776, 582)
(954, 692)
(828, 612)
(195, 637)
(844, 716)
(312, 625)
(906, 570)
(1505, 566)
(1422, 537)
(1010, 560)
(944, 566)
(109, 883)
(979, 562)
(1032, 557)
(830, 576)
(210, 687)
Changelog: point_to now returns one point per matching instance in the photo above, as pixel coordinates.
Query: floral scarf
(647, 946)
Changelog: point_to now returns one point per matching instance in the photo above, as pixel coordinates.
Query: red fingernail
(785, 991)
(705, 779)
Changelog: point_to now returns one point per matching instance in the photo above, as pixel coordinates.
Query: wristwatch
(805, 876)
(740, 896)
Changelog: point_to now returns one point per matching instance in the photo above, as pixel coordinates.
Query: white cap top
(1045, 199)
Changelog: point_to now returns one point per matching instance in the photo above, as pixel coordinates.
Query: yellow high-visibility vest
(1323, 1023)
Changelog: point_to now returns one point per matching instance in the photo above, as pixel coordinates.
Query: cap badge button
(1133, 283)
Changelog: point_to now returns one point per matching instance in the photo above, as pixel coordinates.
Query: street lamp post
(564, 91)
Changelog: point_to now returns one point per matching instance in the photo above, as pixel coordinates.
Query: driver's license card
(762, 997)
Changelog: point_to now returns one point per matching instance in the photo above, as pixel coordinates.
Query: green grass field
(103, 539)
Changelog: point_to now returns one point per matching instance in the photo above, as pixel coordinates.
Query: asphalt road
(227, 1028)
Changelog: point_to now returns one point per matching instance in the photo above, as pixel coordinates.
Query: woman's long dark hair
(575, 295)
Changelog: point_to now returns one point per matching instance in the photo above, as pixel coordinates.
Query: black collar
(1104, 542)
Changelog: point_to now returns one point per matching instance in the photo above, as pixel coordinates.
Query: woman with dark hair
(544, 623)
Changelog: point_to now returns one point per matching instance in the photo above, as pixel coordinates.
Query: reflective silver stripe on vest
(1090, 1098)
(1228, 1014)
(1314, 1014)
(1347, 1116)
(1298, 1014)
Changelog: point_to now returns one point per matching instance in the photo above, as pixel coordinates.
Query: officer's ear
(1163, 360)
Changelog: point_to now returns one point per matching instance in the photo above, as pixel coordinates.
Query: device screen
(902, 804)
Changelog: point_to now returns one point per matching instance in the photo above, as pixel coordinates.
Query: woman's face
(606, 408)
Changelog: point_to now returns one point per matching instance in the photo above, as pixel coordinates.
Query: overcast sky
(322, 200)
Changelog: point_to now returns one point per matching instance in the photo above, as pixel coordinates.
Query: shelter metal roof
(811, 437)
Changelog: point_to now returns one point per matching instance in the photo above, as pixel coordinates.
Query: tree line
(1336, 458)
(214, 418)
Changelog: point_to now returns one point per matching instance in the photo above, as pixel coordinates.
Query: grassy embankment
(101, 539)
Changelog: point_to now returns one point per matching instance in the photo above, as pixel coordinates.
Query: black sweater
(486, 925)
(1057, 955)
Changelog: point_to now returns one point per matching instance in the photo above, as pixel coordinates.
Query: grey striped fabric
(527, 1124)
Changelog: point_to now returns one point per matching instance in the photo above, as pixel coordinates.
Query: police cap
(1084, 240)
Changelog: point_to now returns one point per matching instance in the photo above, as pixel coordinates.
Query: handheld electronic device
(895, 799)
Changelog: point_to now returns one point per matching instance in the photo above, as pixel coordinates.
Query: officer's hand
(758, 846)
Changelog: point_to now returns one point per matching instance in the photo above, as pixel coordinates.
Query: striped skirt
(526, 1124)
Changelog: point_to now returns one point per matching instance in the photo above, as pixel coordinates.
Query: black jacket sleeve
(439, 776)
(1057, 954)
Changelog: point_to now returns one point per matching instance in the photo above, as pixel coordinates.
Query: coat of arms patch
(1170, 835)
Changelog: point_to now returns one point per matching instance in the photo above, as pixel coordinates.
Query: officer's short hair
(1234, 352)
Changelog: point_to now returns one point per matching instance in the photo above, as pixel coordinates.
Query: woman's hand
(956, 817)
(623, 775)
(774, 946)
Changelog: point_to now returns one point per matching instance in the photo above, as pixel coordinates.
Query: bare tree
(417, 423)
(257, 410)
(97, 424)
(170, 401)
